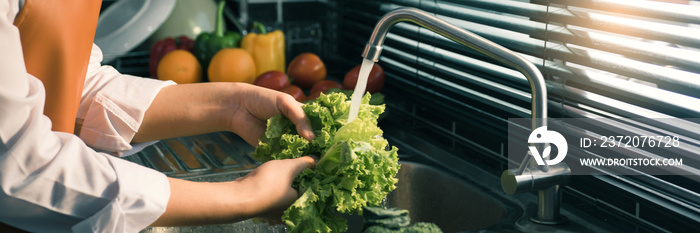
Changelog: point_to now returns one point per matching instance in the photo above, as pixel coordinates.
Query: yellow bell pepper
(266, 48)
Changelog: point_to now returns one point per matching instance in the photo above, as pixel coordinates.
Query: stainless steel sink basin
(429, 194)
(434, 196)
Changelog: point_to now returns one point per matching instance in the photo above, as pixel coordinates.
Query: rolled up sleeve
(129, 211)
(113, 106)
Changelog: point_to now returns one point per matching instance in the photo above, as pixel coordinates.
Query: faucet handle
(532, 178)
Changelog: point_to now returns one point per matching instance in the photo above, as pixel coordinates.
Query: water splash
(360, 88)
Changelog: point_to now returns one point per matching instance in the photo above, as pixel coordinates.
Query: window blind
(634, 61)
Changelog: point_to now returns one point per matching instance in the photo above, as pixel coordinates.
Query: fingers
(292, 110)
(315, 158)
(304, 162)
(283, 168)
(258, 128)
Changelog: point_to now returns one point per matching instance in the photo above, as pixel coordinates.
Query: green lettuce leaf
(355, 168)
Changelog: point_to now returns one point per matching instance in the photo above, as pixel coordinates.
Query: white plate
(127, 23)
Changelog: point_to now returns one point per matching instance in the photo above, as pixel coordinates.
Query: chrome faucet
(529, 176)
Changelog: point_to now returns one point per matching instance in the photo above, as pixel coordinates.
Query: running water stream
(360, 88)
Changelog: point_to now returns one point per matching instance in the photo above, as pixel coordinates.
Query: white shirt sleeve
(52, 181)
(113, 105)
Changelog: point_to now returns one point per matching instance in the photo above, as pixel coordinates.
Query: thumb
(304, 162)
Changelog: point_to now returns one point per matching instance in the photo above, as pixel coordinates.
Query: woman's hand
(273, 182)
(265, 192)
(253, 105)
(191, 109)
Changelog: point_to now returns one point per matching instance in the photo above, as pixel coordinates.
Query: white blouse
(58, 182)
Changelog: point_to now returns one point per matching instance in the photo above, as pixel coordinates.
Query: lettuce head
(355, 169)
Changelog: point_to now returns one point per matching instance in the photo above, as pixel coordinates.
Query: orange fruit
(180, 66)
(232, 65)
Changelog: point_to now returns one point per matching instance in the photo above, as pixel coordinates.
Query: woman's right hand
(273, 182)
(265, 192)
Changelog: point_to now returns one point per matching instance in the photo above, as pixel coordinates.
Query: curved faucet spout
(421, 18)
(522, 178)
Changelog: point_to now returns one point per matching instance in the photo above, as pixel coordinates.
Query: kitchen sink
(432, 195)
(429, 194)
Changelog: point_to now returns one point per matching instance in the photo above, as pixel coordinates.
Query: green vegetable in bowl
(354, 169)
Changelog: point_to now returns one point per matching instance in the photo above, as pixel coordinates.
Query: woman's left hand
(253, 105)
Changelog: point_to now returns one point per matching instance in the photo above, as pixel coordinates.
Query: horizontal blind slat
(652, 9)
(617, 24)
(646, 51)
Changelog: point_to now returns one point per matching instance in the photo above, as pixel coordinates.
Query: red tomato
(375, 81)
(275, 80)
(322, 87)
(295, 92)
(306, 69)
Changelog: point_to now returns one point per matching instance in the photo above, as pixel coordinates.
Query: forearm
(200, 203)
(241, 108)
(265, 192)
(187, 109)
